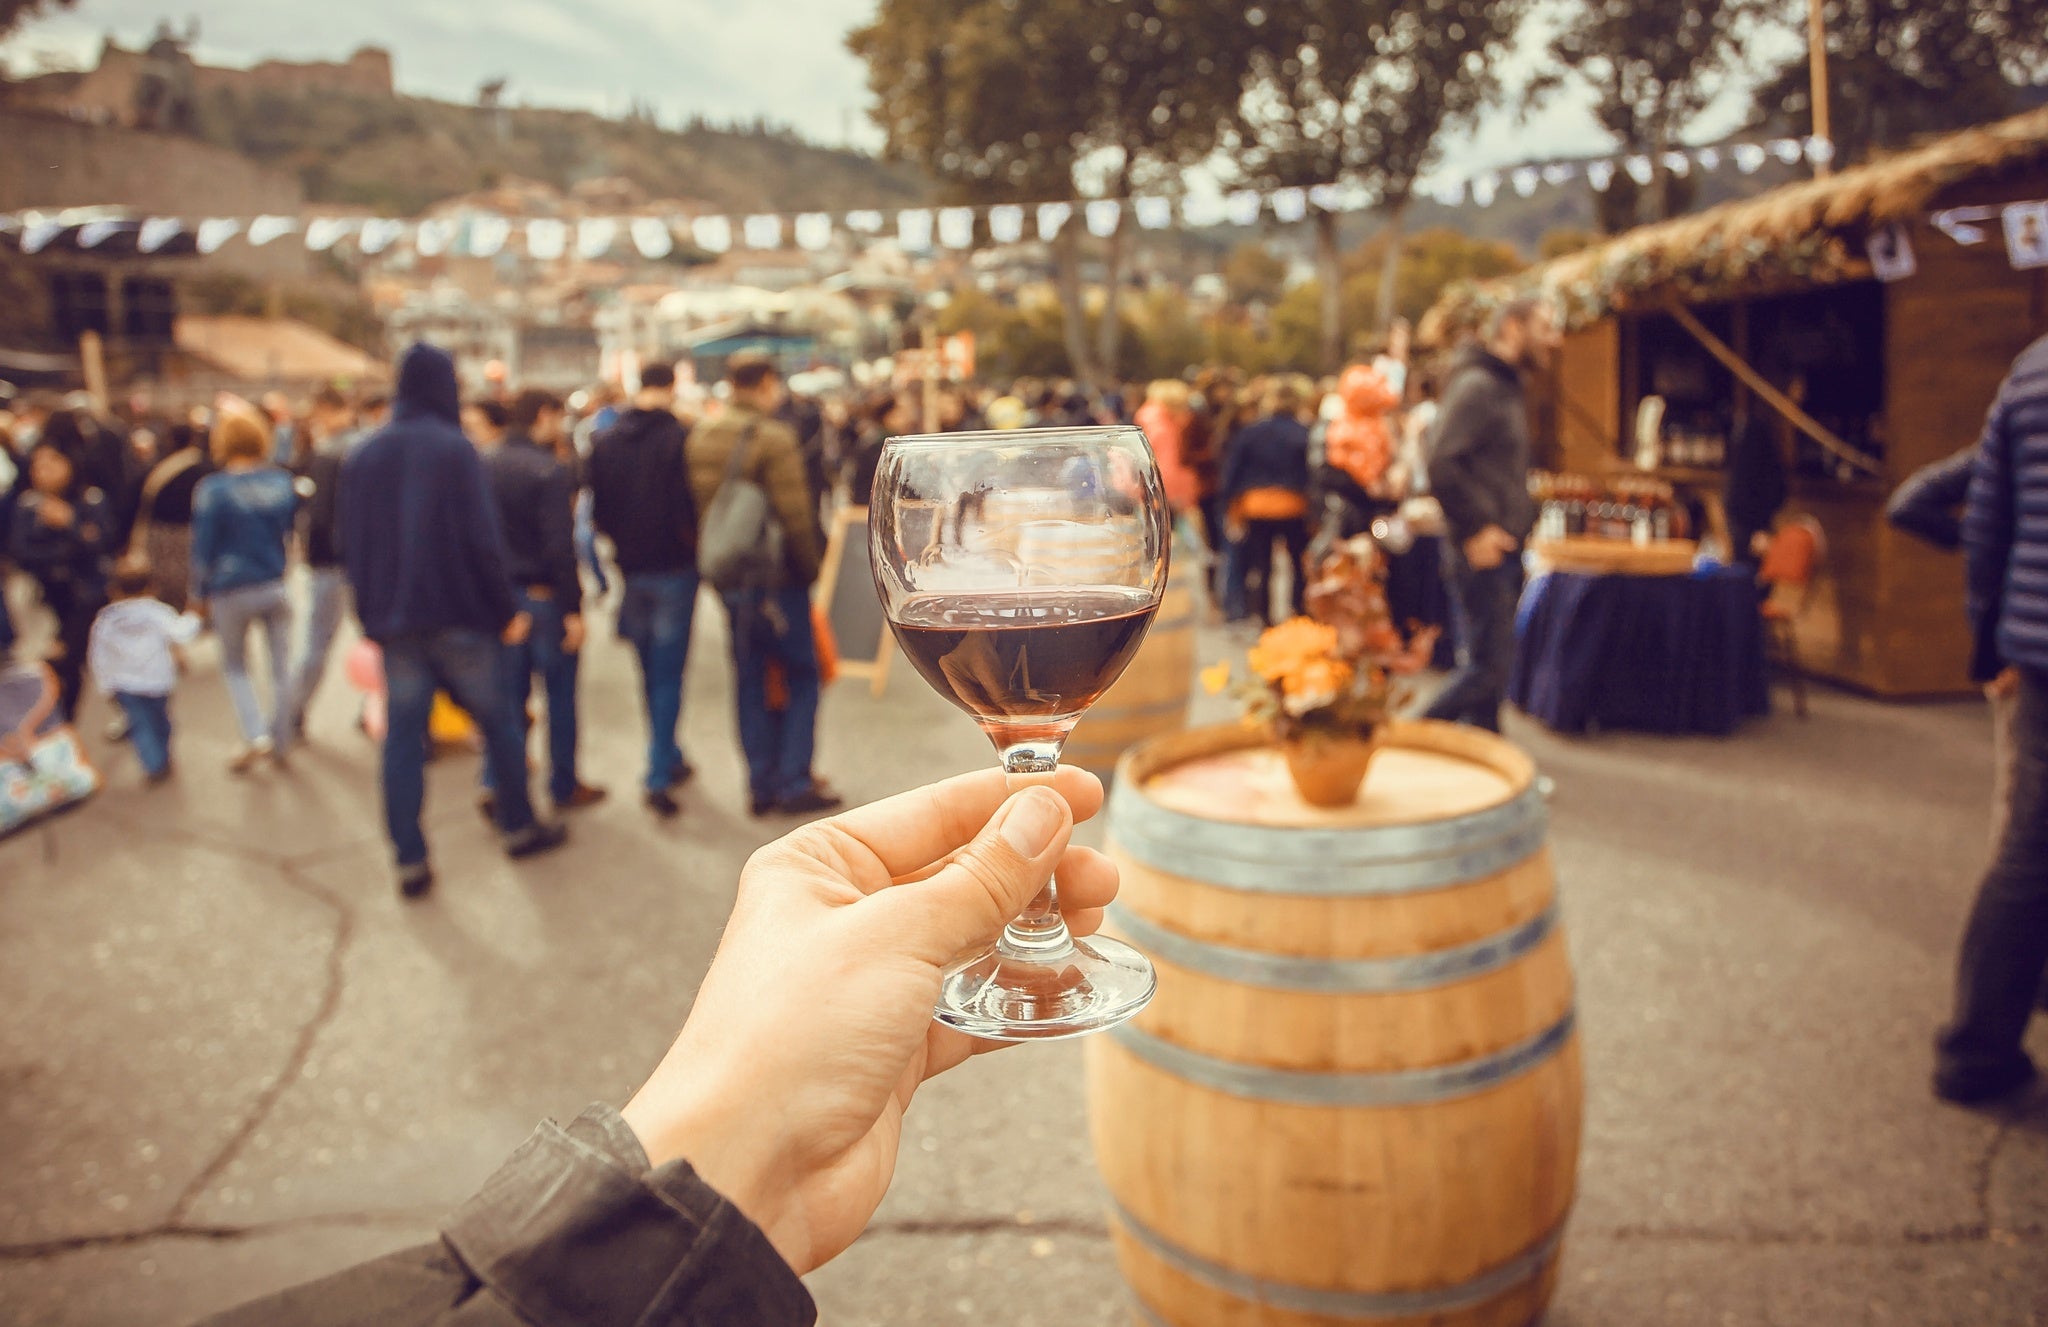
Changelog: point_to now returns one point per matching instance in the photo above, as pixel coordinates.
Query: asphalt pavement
(233, 1058)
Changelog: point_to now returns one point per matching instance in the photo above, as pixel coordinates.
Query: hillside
(400, 154)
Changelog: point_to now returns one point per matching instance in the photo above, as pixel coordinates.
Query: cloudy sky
(785, 59)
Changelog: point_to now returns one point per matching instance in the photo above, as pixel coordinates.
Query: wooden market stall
(1769, 313)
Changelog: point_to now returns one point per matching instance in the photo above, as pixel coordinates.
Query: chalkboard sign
(846, 591)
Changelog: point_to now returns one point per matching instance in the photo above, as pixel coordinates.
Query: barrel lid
(1441, 805)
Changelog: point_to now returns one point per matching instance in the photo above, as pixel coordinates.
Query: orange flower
(1317, 677)
(1216, 677)
(1286, 649)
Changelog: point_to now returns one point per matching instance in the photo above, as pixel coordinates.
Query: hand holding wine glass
(1019, 572)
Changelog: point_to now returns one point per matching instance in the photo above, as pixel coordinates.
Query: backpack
(739, 543)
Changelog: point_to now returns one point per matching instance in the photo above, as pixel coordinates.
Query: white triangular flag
(814, 231)
(430, 240)
(1749, 157)
(93, 233)
(712, 234)
(1641, 169)
(378, 234)
(1678, 163)
(1819, 151)
(1788, 150)
(594, 237)
(1955, 223)
(1104, 215)
(37, 235)
(487, 235)
(323, 233)
(865, 222)
(156, 233)
(266, 228)
(914, 228)
(652, 238)
(1600, 174)
(2026, 235)
(1052, 219)
(956, 227)
(1484, 188)
(1450, 193)
(1328, 197)
(1202, 210)
(216, 231)
(1525, 179)
(1006, 223)
(1559, 172)
(1153, 212)
(1290, 205)
(1242, 208)
(763, 231)
(1709, 158)
(546, 239)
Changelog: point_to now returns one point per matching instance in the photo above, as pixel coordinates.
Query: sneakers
(583, 796)
(539, 837)
(1983, 1087)
(663, 803)
(415, 880)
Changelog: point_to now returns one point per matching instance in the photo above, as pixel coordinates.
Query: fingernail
(1035, 816)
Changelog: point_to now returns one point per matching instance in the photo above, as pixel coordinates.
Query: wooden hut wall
(1588, 390)
(1953, 330)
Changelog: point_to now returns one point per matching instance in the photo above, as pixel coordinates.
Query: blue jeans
(586, 542)
(326, 604)
(656, 615)
(1483, 622)
(466, 665)
(542, 653)
(149, 729)
(234, 612)
(774, 626)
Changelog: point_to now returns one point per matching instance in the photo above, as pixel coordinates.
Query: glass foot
(1093, 984)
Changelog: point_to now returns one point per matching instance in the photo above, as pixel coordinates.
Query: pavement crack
(302, 1047)
(190, 1230)
(1985, 1166)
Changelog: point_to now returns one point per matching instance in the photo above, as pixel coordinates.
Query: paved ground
(233, 1059)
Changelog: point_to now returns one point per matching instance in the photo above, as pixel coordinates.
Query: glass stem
(1039, 935)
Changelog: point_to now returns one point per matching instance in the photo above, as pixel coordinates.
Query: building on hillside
(145, 88)
(1896, 373)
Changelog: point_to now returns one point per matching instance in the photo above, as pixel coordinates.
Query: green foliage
(1651, 70)
(1254, 274)
(1899, 71)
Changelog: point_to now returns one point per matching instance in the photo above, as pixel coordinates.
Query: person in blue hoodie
(427, 563)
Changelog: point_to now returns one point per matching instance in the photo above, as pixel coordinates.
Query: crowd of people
(467, 537)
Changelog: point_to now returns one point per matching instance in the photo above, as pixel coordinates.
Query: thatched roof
(1808, 233)
(272, 351)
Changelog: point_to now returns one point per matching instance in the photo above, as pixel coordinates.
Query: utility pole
(1817, 46)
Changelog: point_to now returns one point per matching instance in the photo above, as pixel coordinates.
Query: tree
(1358, 93)
(1254, 274)
(1651, 70)
(13, 13)
(1897, 71)
(1562, 240)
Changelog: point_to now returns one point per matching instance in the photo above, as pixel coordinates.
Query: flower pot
(1329, 768)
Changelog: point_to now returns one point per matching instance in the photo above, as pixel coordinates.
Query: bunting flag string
(479, 234)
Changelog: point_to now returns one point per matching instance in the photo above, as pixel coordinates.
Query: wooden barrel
(1151, 698)
(1355, 1099)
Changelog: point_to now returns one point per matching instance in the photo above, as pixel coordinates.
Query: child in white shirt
(133, 655)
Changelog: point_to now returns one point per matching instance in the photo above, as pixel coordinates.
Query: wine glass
(1019, 571)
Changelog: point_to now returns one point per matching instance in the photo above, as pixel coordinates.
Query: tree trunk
(1390, 266)
(1330, 273)
(1066, 256)
(1109, 333)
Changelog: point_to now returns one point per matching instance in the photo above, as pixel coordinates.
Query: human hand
(518, 629)
(813, 1029)
(2003, 687)
(1487, 549)
(572, 633)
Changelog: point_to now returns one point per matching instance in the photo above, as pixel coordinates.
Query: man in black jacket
(426, 562)
(1479, 472)
(640, 500)
(536, 496)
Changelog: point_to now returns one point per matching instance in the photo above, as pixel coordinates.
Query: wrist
(733, 1149)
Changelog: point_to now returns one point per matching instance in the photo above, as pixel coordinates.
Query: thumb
(990, 881)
